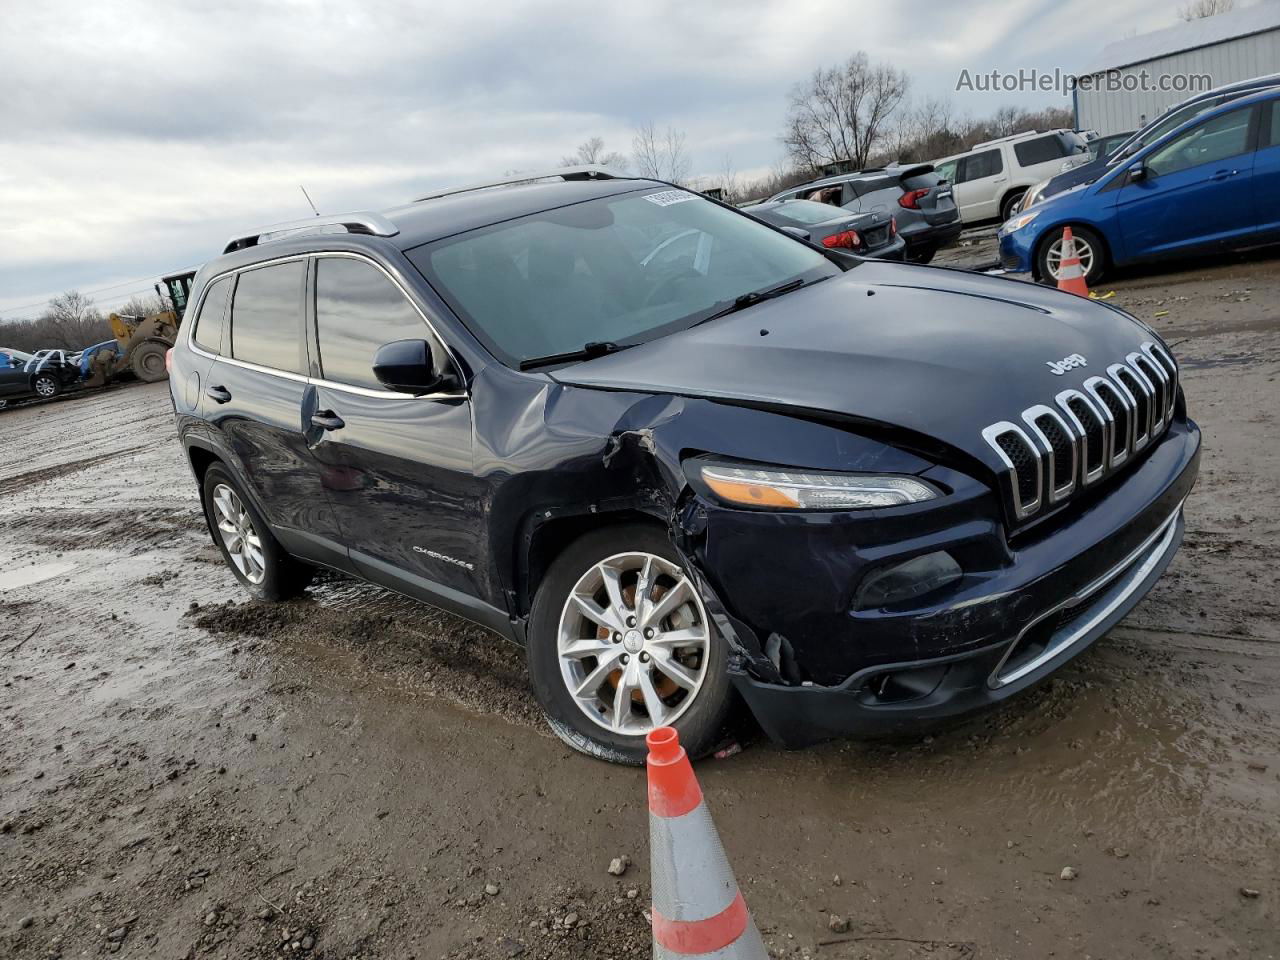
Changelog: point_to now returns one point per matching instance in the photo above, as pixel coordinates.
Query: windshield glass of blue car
(617, 271)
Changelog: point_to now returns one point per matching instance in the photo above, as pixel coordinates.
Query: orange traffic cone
(697, 908)
(1070, 273)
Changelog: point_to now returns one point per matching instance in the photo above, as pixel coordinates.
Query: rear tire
(253, 555)
(1010, 204)
(147, 361)
(46, 386)
(1089, 247)
(603, 689)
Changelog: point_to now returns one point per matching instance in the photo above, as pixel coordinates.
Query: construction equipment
(142, 341)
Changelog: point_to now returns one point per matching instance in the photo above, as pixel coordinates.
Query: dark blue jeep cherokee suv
(676, 453)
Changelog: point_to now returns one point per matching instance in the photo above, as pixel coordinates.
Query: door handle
(1223, 174)
(327, 420)
(218, 394)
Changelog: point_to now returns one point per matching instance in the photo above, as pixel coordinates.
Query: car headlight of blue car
(1017, 222)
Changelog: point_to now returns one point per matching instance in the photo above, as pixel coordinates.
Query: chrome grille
(1086, 433)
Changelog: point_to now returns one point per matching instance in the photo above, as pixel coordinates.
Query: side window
(976, 166)
(266, 316)
(1274, 139)
(946, 170)
(1039, 150)
(1217, 139)
(209, 325)
(358, 310)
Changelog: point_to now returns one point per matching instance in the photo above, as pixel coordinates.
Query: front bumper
(1002, 630)
(1017, 250)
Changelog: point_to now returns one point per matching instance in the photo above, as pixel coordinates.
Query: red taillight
(168, 360)
(911, 199)
(848, 239)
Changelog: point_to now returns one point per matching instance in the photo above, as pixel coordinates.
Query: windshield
(1174, 118)
(17, 355)
(622, 270)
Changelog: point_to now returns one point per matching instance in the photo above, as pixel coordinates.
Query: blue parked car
(1211, 185)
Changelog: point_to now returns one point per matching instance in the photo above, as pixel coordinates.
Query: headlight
(793, 490)
(1018, 221)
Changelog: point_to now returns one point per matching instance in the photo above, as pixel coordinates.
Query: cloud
(136, 136)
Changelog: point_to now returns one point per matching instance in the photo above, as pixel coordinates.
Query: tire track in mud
(13, 484)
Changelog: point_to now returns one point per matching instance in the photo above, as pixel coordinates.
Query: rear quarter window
(1040, 150)
(210, 322)
(266, 316)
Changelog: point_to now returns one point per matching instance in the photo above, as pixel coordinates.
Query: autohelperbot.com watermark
(1032, 80)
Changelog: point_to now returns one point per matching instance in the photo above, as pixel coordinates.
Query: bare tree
(1199, 9)
(660, 156)
(592, 153)
(69, 318)
(842, 113)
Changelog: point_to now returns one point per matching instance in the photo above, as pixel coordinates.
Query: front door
(14, 380)
(398, 468)
(1196, 191)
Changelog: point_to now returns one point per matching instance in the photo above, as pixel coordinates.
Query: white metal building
(1229, 47)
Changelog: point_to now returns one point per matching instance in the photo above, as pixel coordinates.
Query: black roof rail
(369, 224)
(564, 173)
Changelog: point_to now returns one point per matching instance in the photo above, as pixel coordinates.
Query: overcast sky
(136, 137)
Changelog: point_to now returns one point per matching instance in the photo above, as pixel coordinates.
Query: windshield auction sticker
(667, 197)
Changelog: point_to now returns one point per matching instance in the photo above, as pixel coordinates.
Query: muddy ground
(184, 774)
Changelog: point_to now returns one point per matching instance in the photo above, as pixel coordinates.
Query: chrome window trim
(320, 381)
(1030, 416)
(1094, 386)
(990, 434)
(1087, 476)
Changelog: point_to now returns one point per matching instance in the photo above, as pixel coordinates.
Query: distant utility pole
(308, 196)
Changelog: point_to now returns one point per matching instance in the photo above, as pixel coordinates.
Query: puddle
(26, 576)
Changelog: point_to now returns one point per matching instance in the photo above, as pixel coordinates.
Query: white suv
(990, 179)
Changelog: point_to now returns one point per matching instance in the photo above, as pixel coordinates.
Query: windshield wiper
(759, 296)
(593, 348)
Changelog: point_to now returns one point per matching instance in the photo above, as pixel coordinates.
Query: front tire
(1089, 248)
(1010, 204)
(147, 362)
(255, 556)
(620, 643)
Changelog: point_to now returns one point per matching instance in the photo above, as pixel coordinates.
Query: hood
(938, 352)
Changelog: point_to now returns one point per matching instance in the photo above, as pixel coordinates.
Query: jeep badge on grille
(1059, 367)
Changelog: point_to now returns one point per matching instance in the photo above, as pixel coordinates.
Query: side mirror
(797, 233)
(1137, 172)
(407, 366)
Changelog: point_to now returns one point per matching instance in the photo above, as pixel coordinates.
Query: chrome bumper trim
(1122, 579)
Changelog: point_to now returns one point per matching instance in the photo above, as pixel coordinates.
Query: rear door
(978, 184)
(1266, 173)
(1197, 191)
(257, 400)
(397, 467)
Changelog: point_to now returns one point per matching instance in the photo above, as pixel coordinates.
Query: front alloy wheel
(241, 540)
(46, 387)
(633, 643)
(619, 643)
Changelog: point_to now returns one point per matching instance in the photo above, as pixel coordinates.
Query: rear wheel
(46, 386)
(1009, 205)
(620, 643)
(1088, 248)
(255, 556)
(147, 361)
